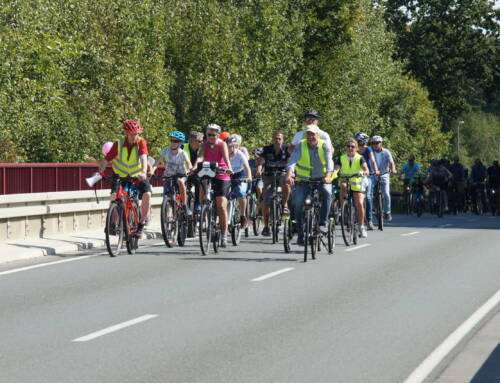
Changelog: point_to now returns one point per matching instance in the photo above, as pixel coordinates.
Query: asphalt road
(371, 314)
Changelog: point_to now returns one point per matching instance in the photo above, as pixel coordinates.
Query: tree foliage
(72, 70)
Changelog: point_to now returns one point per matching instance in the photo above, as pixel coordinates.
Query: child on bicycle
(353, 163)
(177, 164)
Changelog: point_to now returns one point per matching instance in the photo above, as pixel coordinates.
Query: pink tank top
(216, 156)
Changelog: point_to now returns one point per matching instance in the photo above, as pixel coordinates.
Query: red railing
(39, 178)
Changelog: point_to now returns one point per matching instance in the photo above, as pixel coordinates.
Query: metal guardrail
(40, 214)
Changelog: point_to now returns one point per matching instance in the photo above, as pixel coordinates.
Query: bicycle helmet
(178, 135)
(132, 126)
(377, 139)
(214, 127)
(238, 138)
(361, 137)
(312, 113)
(231, 140)
(224, 135)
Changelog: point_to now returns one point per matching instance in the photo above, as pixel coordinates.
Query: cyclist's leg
(385, 189)
(266, 200)
(360, 210)
(241, 194)
(146, 190)
(369, 198)
(326, 202)
(221, 188)
(285, 190)
(298, 197)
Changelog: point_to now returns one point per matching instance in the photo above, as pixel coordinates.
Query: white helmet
(238, 138)
(214, 127)
(376, 139)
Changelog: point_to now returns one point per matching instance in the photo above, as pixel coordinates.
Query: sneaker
(140, 229)
(223, 242)
(370, 225)
(266, 232)
(362, 231)
(244, 222)
(388, 217)
(323, 228)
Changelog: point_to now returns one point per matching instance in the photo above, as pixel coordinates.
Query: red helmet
(132, 126)
(224, 135)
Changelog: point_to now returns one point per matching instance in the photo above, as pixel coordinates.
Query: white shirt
(174, 163)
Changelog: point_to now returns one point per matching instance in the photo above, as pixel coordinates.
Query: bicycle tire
(354, 221)
(255, 216)
(114, 229)
(313, 236)
(479, 204)
(236, 226)
(168, 222)
(306, 224)
(132, 240)
(287, 233)
(182, 228)
(345, 223)
(380, 212)
(274, 220)
(217, 231)
(205, 229)
(331, 235)
(419, 207)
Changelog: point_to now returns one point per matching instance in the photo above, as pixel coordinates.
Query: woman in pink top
(215, 150)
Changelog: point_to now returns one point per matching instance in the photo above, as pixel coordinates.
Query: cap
(312, 128)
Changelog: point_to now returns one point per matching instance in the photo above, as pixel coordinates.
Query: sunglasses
(351, 146)
(211, 135)
(175, 141)
(376, 143)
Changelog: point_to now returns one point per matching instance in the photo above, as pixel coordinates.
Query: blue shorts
(239, 189)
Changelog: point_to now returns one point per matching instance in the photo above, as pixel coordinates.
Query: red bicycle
(123, 217)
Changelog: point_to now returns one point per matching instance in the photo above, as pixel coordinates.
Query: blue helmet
(179, 135)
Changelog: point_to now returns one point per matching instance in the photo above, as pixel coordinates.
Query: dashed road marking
(358, 247)
(273, 274)
(408, 234)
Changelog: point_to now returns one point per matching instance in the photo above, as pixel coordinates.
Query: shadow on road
(490, 370)
(461, 221)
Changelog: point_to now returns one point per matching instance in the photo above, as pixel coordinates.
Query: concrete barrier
(37, 215)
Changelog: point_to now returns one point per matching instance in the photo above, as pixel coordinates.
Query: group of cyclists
(282, 167)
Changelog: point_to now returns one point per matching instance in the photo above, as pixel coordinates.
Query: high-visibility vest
(303, 167)
(352, 168)
(125, 165)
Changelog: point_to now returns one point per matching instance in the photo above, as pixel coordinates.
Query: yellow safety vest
(126, 166)
(303, 166)
(352, 168)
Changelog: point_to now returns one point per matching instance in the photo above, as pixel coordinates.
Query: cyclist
(457, 171)
(494, 184)
(383, 158)
(241, 177)
(273, 157)
(478, 177)
(177, 163)
(439, 176)
(409, 170)
(311, 117)
(192, 149)
(367, 153)
(215, 150)
(353, 163)
(311, 160)
(129, 158)
(244, 150)
(253, 163)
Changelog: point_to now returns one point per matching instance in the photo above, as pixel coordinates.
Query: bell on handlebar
(91, 181)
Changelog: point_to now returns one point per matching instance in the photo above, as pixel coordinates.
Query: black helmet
(313, 113)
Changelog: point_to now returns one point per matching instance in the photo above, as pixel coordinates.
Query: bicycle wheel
(256, 217)
(479, 204)
(331, 235)
(205, 230)
(182, 228)
(407, 203)
(354, 221)
(168, 222)
(274, 220)
(306, 225)
(380, 211)
(313, 235)
(419, 206)
(114, 229)
(287, 233)
(247, 214)
(346, 224)
(236, 225)
(133, 221)
(216, 238)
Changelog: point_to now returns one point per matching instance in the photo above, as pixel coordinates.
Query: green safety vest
(126, 166)
(355, 167)
(303, 166)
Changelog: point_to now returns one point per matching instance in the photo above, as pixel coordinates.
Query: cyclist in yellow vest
(310, 160)
(129, 158)
(354, 163)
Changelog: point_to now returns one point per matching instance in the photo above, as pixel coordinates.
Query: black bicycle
(348, 213)
(378, 200)
(276, 207)
(314, 238)
(253, 211)
(209, 230)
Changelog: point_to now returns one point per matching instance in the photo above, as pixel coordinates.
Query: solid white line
(77, 258)
(114, 328)
(433, 360)
(358, 247)
(273, 274)
(408, 234)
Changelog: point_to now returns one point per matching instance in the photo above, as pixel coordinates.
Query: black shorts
(143, 187)
(221, 187)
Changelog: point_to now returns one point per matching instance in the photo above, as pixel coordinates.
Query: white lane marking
(437, 356)
(77, 258)
(408, 234)
(273, 274)
(114, 328)
(358, 247)
(446, 225)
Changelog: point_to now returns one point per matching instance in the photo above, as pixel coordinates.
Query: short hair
(352, 141)
(196, 136)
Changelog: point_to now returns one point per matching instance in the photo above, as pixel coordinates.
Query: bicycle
(378, 200)
(437, 200)
(253, 211)
(174, 224)
(233, 215)
(191, 219)
(276, 207)
(348, 212)
(407, 197)
(313, 236)
(123, 217)
(209, 231)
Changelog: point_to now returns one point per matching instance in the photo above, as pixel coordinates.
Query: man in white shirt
(311, 117)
